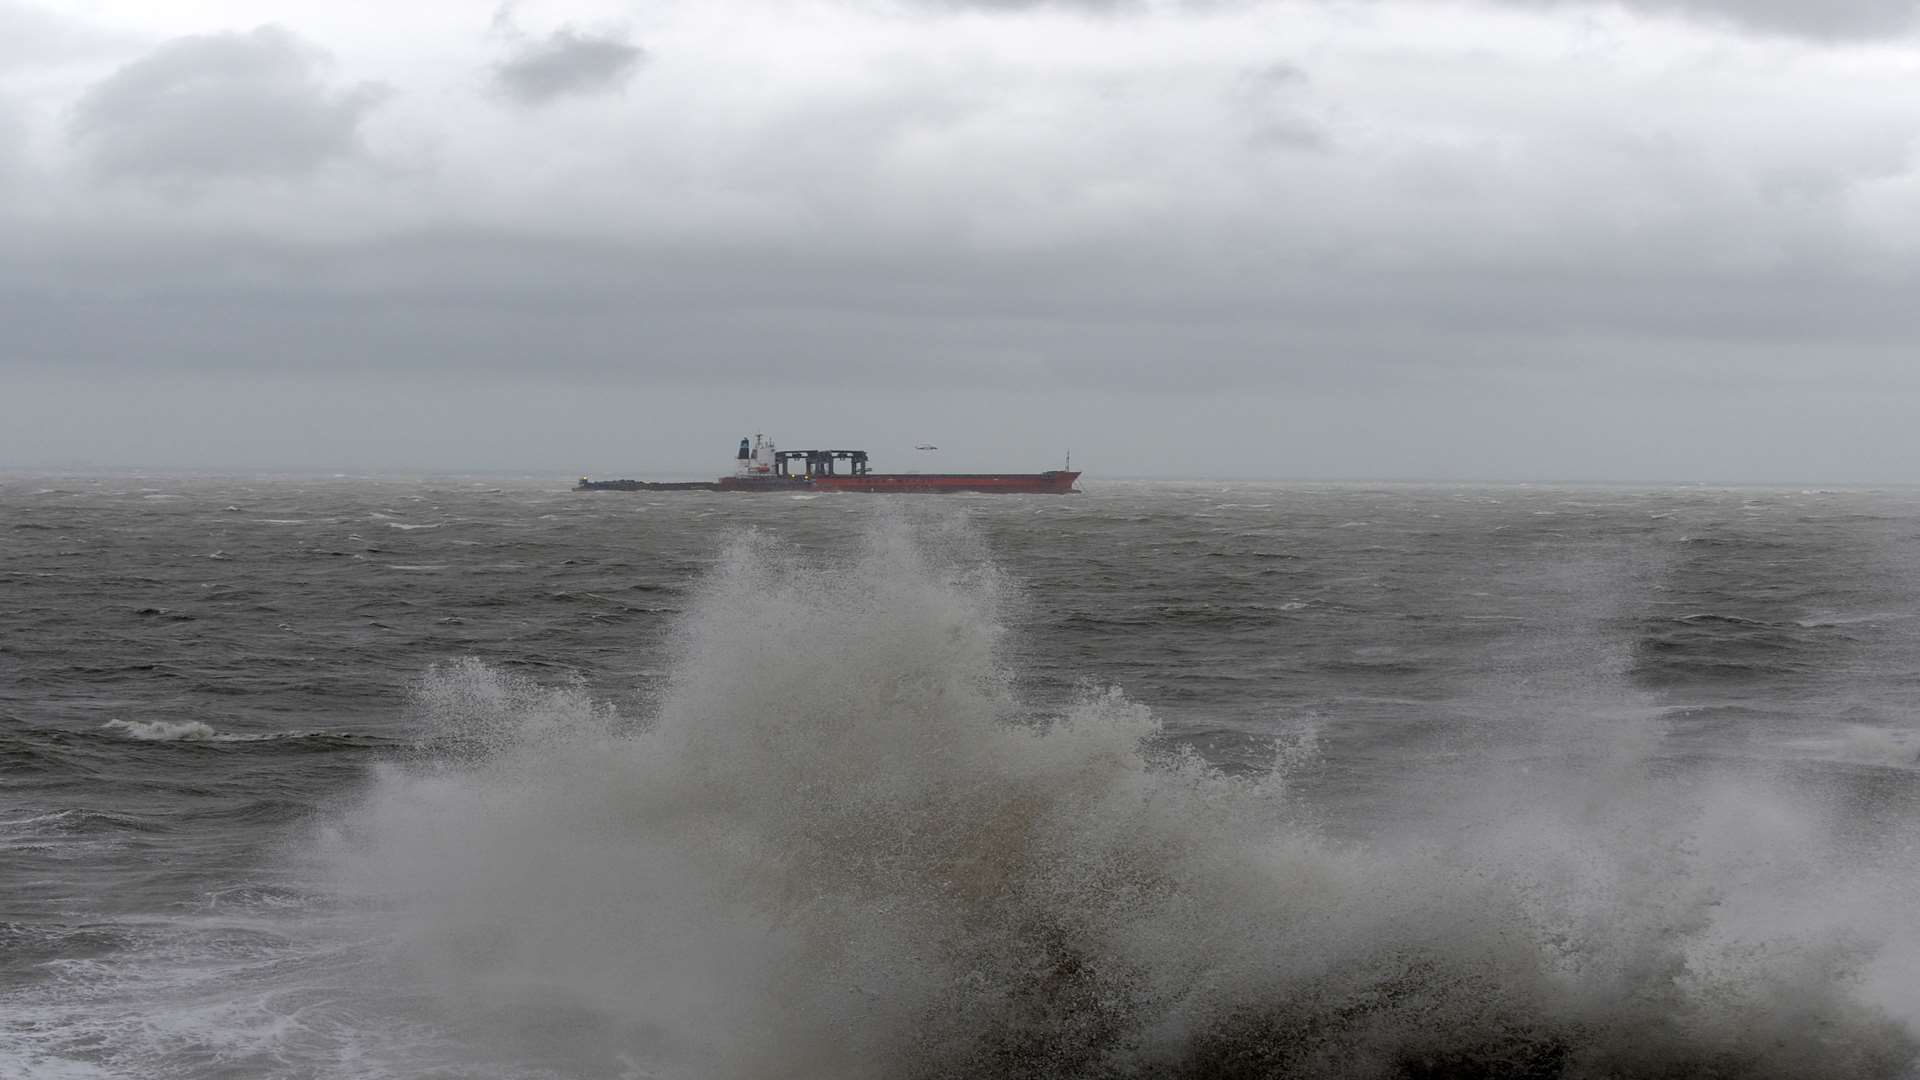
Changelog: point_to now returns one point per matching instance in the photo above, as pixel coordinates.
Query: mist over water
(949, 791)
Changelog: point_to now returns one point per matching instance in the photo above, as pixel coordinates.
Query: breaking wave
(200, 731)
(162, 730)
(832, 849)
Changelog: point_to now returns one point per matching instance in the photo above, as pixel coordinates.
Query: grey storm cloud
(1829, 19)
(1024, 5)
(28, 32)
(1266, 96)
(567, 62)
(1354, 247)
(235, 104)
(11, 140)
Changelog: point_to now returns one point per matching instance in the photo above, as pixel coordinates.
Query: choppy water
(440, 779)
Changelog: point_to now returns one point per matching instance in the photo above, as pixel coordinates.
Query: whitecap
(193, 731)
(163, 730)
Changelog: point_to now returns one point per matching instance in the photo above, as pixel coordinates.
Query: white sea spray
(832, 850)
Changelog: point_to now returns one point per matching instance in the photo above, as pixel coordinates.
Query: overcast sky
(1511, 239)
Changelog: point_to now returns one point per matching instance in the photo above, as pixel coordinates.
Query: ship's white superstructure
(755, 458)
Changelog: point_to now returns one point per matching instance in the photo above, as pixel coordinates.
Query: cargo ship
(760, 466)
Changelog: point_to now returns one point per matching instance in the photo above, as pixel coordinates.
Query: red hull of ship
(1046, 483)
(1056, 482)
